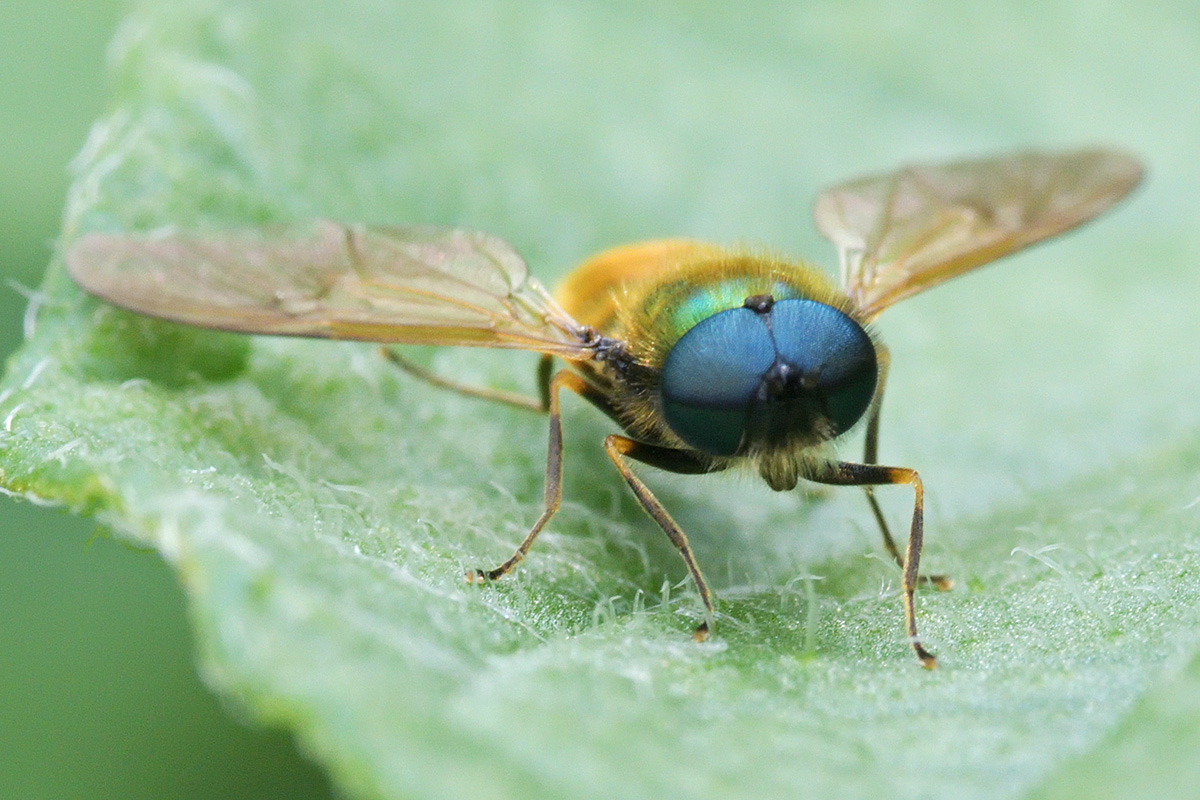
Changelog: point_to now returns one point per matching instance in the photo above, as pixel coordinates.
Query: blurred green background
(98, 695)
(98, 692)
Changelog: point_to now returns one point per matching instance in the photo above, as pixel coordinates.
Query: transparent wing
(410, 285)
(902, 233)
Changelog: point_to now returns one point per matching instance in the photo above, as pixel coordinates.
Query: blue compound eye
(711, 377)
(833, 352)
(767, 374)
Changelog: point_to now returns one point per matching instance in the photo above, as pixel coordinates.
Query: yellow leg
(844, 473)
(618, 447)
(552, 493)
(494, 395)
(870, 452)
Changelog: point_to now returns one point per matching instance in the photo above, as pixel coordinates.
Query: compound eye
(834, 351)
(712, 375)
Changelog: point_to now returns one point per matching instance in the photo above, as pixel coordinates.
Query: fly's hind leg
(540, 403)
(870, 457)
(842, 473)
(621, 447)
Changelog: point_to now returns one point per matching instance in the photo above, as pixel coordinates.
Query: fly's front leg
(552, 493)
(842, 473)
(621, 447)
(870, 457)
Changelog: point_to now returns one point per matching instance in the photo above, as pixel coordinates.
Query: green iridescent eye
(833, 353)
(711, 378)
(793, 369)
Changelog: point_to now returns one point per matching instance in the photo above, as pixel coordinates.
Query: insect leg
(619, 448)
(843, 473)
(553, 488)
(541, 403)
(871, 450)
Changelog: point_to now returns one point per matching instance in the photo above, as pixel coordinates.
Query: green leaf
(321, 509)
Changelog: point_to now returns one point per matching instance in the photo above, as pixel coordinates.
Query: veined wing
(410, 285)
(901, 233)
